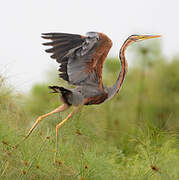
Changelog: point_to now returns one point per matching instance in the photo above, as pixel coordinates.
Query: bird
(81, 59)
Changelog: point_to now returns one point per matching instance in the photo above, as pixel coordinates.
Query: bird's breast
(98, 99)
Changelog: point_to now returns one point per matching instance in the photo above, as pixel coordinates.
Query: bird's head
(136, 37)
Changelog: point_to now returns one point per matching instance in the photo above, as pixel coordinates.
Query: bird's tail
(66, 93)
(55, 89)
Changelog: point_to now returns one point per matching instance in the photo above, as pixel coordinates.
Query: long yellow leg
(59, 109)
(58, 126)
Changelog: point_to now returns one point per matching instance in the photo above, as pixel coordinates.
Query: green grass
(134, 136)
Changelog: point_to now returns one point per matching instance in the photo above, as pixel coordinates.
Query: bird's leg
(59, 125)
(59, 109)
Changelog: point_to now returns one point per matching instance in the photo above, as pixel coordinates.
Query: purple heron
(81, 60)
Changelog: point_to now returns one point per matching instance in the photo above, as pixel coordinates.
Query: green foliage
(134, 136)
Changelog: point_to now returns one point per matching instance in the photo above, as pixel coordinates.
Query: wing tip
(49, 50)
(46, 44)
(48, 35)
(45, 36)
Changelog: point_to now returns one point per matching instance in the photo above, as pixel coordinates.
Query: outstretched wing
(81, 58)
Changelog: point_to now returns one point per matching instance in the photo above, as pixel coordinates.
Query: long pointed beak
(143, 37)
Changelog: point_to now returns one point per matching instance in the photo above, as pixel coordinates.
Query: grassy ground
(134, 136)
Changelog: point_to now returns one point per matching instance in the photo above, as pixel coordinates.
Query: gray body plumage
(80, 93)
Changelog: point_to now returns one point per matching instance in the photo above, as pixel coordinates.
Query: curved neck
(123, 71)
(116, 87)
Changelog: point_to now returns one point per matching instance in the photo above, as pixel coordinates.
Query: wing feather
(81, 58)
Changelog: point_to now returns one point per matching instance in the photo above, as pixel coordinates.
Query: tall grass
(133, 136)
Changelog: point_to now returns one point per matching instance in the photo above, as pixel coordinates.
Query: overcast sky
(22, 57)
